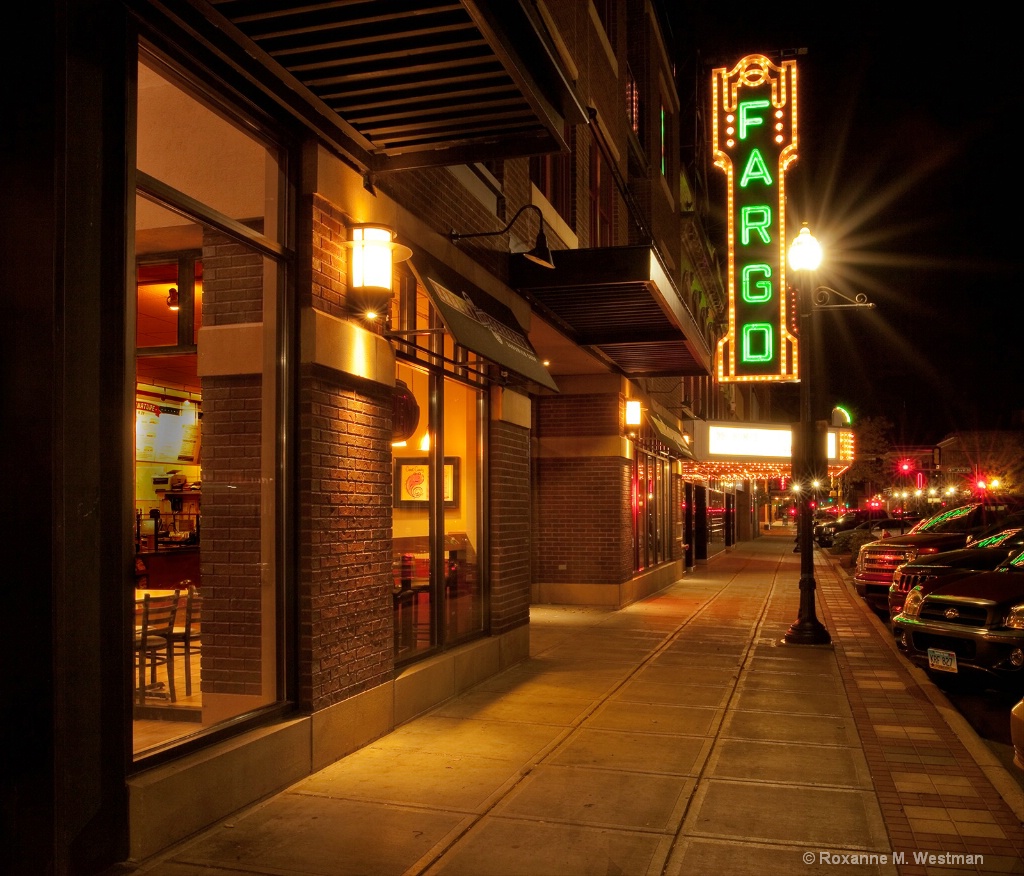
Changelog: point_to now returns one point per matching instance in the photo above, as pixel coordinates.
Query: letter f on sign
(747, 117)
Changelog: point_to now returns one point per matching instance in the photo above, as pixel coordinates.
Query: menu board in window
(166, 432)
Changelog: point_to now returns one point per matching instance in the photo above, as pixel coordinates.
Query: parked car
(1017, 733)
(971, 629)
(850, 541)
(947, 530)
(983, 554)
(827, 532)
(822, 517)
(887, 527)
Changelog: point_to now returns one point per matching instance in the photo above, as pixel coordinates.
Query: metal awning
(620, 302)
(669, 437)
(479, 322)
(396, 84)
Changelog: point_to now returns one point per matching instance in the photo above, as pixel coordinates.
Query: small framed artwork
(412, 482)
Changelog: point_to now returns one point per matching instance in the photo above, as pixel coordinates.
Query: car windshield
(953, 520)
(1005, 537)
(1014, 564)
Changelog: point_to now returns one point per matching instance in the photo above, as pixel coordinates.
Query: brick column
(345, 611)
(509, 450)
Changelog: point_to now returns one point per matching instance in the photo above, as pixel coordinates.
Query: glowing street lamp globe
(805, 251)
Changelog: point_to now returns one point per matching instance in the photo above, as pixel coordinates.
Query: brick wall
(232, 280)
(510, 526)
(344, 530)
(345, 611)
(577, 415)
(439, 200)
(582, 528)
(329, 277)
(582, 521)
(230, 558)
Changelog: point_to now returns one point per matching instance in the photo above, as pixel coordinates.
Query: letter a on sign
(754, 139)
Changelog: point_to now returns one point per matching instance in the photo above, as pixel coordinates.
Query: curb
(1004, 783)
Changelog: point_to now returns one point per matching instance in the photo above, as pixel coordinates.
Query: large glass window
(652, 509)
(438, 581)
(207, 256)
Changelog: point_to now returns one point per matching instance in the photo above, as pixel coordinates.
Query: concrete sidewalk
(676, 736)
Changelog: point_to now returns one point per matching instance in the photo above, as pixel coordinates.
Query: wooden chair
(185, 636)
(153, 645)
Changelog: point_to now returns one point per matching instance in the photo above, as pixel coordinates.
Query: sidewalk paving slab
(679, 735)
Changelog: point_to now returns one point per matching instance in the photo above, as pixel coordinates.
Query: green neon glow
(756, 169)
(845, 413)
(756, 218)
(760, 290)
(747, 119)
(757, 334)
(664, 162)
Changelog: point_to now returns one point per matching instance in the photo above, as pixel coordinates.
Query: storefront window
(716, 521)
(463, 592)
(438, 585)
(652, 515)
(205, 455)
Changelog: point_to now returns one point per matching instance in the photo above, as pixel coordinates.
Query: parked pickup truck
(948, 530)
(969, 632)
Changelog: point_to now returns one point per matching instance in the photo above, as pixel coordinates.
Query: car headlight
(912, 605)
(1015, 619)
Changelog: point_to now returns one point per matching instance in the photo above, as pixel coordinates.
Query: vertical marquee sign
(754, 141)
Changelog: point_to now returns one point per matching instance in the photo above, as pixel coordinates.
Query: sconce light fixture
(172, 298)
(633, 412)
(373, 254)
(540, 254)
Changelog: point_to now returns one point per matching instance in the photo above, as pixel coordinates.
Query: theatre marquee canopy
(757, 451)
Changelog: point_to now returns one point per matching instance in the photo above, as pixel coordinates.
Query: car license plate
(943, 661)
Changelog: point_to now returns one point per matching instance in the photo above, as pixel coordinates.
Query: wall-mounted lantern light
(373, 254)
(172, 299)
(633, 412)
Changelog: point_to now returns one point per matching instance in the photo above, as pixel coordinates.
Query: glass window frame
(427, 346)
(279, 252)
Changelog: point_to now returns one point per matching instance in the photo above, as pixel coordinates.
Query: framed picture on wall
(412, 482)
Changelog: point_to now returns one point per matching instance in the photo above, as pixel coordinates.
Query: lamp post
(804, 258)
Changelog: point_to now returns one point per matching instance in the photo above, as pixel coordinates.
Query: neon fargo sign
(754, 138)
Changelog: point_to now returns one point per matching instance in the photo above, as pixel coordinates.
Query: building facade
(357, 490)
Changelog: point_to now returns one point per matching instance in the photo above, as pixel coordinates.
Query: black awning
(669, 437)
(396, 84)
(479, 322)
(621, 302)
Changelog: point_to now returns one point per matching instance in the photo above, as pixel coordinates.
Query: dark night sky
(908, 174)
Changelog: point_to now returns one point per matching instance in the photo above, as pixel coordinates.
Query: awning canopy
(479, 322)
(396, 84)
(669, 437)
(620, 302)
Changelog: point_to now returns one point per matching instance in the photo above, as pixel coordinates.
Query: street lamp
(804, 258)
